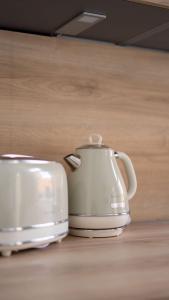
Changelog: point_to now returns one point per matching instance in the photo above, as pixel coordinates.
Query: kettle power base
(96, 233)
(94, 226)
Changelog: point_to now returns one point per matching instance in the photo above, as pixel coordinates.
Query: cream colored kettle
(98, 198)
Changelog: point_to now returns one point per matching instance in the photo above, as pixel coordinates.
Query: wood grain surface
(133, 266)
(55, 92)
(160, 3)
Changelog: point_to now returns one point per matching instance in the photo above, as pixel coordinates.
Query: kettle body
(33, 203)
(98, 198)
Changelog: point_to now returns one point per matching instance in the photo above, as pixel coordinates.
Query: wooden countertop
(132, 266)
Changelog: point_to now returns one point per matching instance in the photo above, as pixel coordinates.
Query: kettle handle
(132, 181)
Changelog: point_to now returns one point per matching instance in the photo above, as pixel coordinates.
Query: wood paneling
(161, 3)
(54, 92)
(133, 266)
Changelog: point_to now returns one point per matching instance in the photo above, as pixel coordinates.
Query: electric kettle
(33, 203)
(98, 198)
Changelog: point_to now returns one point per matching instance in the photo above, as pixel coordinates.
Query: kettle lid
(95, 142)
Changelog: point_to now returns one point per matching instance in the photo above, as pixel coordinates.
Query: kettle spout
(73, 160)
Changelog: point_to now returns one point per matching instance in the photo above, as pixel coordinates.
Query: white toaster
(33, 203)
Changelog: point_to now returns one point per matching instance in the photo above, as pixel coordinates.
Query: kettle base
(96, 233)
(98, 226)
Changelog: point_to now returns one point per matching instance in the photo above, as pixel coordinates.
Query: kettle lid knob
(95, 139)
(95, 142)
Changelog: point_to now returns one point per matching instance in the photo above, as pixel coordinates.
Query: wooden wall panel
(160, 3)
(54, 92)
